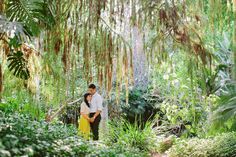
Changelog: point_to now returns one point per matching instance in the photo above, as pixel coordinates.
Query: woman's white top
(84, 108)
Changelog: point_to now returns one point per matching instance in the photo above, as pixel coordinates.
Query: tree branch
(49, 117)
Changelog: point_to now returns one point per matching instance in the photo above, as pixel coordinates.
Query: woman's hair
(85, 99)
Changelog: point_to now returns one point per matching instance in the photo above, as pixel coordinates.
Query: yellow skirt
(84, 127)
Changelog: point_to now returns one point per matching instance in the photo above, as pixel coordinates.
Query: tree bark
(139, 59)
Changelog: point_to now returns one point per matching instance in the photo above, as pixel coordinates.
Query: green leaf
(14, 42)
(19, 65)
(32, 14)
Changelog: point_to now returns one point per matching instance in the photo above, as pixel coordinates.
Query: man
(95, 110)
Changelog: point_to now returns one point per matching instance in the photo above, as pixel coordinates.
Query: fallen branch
(49, 117)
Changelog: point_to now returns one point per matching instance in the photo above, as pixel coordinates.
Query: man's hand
(92, 120)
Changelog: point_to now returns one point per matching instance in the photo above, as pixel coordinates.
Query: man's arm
(96, 114)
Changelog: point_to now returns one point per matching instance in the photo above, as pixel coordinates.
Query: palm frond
(31, 13)
(45, 12)
(22, 11)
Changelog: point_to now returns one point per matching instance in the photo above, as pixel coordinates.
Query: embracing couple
(90, 111)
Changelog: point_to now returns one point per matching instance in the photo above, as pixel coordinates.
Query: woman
(84, 126)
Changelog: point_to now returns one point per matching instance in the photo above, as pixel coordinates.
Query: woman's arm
(85, 116)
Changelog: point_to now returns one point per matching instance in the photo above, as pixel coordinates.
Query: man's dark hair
(92, 86)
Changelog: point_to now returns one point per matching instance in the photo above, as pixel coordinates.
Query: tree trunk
(103, 128)
(234, 40)
(139, 59)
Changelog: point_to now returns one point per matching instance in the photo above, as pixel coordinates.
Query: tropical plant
(19, 65)
(215, 78)
(142, 106)
(32, 14)
(27, 19)
(16, 59)
(224, 116)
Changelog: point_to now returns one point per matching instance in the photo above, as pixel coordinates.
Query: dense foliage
(219, 146)
(223, 117)
(20, 135)
(143, 105)
(166, 70)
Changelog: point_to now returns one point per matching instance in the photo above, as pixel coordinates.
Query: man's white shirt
(96, 103)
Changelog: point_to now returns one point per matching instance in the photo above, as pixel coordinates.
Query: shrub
(20, 135)
(142, 104)
(223, 145)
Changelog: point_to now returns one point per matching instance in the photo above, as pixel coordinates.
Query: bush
(142, 103)
(131, 135)
(20, 135)
(223, 145)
